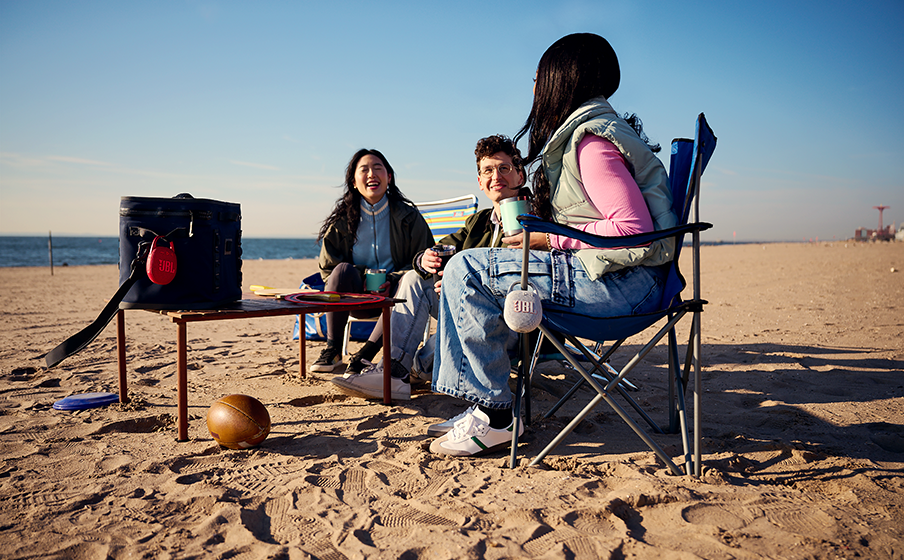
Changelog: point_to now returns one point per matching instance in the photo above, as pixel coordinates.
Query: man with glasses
(500, 175)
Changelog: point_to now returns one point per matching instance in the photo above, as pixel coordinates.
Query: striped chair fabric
(449, 215)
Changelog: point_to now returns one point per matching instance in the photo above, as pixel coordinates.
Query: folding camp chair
(688, 160)
(449, 215)
(444, 217)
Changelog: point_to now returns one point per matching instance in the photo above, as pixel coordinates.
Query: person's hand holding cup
(430, 261)
(375, 280)
(435, 259)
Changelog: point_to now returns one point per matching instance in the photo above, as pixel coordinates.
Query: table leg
(121, 348)
(387, 358)
(182, 382)
(301, 346)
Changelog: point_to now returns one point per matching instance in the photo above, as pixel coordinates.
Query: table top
(257, 306)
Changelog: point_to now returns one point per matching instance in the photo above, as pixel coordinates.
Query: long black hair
(572, 71)
(349, 205)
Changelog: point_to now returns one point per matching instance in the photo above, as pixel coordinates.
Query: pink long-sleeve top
(611, 189)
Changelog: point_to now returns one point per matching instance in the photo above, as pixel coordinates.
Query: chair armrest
(534, 224)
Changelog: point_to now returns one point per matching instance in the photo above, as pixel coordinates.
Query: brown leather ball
(238, 421)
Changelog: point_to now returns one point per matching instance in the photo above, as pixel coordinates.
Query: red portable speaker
(161, 264)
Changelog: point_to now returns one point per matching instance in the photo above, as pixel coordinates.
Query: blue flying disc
(86, 400)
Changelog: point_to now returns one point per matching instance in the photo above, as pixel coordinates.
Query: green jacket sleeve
(335, 249)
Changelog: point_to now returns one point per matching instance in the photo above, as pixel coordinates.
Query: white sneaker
(437, 430)
(472, 436)
(369, 383)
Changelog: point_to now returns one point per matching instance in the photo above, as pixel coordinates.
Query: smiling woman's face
(371, 178)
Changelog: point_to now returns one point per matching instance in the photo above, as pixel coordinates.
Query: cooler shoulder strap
(79, 340)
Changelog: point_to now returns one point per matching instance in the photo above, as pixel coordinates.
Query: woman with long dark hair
(373, 225)
(594, 171)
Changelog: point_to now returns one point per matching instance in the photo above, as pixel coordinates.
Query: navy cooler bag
(174, 253)
(205, 236)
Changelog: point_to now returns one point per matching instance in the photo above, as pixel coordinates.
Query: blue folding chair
(688, 160)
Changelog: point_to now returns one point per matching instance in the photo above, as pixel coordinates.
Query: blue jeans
(471, 361)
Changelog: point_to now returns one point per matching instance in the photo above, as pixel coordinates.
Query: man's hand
(430, 261)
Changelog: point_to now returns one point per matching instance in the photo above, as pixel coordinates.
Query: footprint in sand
(144, 425)
(887, 436)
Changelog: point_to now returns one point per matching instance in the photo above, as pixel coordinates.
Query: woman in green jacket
(373, 225)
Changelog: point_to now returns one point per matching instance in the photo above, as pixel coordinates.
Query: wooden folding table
(249, 308)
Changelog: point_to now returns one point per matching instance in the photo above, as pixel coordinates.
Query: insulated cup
(511, 208)
(374, 278)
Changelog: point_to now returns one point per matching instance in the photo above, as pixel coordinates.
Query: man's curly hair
(499, 143)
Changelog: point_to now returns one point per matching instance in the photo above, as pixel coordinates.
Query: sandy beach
(803, 435)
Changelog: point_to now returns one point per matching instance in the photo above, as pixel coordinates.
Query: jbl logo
(522, 306)
(166, 266)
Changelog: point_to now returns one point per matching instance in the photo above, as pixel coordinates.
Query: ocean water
(73, 251)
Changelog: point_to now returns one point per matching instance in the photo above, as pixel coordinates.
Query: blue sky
(263, 103)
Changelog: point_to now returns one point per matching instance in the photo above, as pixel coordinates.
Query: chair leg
(536, 356)
(516, 407)
(688, 358)
(673, 380)
(597, 350)
(691, 360)
(685, 435)
(698, 393)
(614, 374)
(603, 394)
(624, 416)
(677, 404)
(346, 336)
(580, 381)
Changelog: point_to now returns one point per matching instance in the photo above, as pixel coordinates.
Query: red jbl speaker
(161, 265)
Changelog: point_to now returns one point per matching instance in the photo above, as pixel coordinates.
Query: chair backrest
(447, 216)
(688, 160)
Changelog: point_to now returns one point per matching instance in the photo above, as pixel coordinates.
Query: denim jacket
(570, 205)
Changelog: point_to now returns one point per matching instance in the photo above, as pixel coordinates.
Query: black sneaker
(398, 371)
(356, 365)
(330, 358)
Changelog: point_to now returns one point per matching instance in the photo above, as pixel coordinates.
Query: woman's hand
(537, 241)
(383, 289)
(430, 261)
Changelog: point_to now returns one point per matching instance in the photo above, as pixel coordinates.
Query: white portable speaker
(523, 311)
